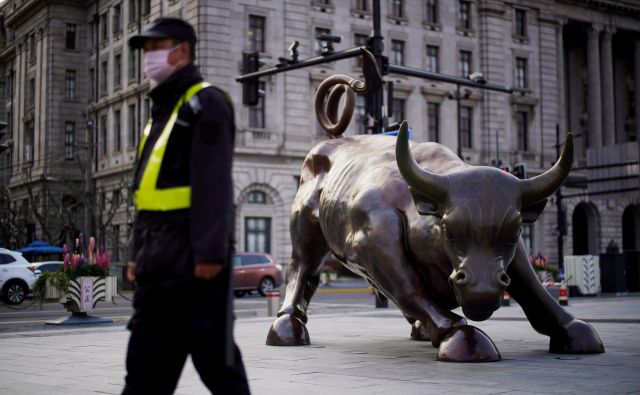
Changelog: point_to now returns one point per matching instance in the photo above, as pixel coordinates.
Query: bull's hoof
(467, 343)
(419, 332)
(576, 337)
(288, 330)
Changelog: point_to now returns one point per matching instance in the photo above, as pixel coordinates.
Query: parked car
(47, 266)
(253, 271)
(16, 276)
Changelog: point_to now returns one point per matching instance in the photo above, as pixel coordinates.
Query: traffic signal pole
(374, 98)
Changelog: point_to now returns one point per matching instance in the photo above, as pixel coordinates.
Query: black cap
(166, 27)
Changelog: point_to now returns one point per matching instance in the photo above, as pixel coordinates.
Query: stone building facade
(574, 65)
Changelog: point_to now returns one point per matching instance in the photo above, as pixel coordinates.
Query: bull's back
(346, 178)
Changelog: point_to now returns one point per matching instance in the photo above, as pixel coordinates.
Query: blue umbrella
(40, 248)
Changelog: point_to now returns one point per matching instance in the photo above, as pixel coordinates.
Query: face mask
(156, 65)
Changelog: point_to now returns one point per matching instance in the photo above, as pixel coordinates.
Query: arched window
(257, 197)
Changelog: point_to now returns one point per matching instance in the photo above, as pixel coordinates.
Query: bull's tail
(333, 87)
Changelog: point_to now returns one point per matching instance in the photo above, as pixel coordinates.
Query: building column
(608, 108)
(636, 78)
(594, 103)
(562, 94)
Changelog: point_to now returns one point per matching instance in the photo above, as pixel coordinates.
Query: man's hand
(207, 271)
(131, 271)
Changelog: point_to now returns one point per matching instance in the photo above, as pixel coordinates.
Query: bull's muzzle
(479, 294)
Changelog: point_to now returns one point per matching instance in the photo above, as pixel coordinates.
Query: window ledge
(434, 27)
(463, 31)
(362, 14)
(398, 20)
(520, 39)
(322, 7)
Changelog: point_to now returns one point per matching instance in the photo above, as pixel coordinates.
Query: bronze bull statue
(428, 231)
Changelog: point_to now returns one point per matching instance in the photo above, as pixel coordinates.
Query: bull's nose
(461, 277)
(503, 278)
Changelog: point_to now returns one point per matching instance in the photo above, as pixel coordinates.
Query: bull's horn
(542, 186)
(433, 186)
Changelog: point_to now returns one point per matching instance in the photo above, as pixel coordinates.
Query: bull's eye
(448, 235)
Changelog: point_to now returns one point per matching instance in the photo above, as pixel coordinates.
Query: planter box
(85, 292)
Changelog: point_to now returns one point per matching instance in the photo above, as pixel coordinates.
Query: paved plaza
(355, 350)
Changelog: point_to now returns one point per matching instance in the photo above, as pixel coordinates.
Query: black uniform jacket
(199, 153)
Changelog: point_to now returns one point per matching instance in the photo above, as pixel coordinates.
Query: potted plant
(83, 280)
(545, 272)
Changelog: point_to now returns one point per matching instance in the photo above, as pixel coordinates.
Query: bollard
(563, 297)
(381, 301)
(273, 303)
(506, 299)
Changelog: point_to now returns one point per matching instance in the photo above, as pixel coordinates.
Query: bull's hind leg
(302, 278)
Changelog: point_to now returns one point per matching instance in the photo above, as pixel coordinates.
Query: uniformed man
(182, 237)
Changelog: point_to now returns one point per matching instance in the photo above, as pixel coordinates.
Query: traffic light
(520, 170)
(3, 146)
(251, 88)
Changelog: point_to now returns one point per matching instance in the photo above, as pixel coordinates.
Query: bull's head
(481, 210)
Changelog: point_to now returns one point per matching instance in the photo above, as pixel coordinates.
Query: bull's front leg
(567, 334)
(380, 250)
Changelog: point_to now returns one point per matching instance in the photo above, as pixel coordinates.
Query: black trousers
(173, 321)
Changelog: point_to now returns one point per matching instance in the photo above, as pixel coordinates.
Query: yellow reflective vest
(148, 196)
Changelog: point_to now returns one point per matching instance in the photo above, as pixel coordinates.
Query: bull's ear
(531, 212)
(424, 205)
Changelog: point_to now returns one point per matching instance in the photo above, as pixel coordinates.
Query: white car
(16, 277)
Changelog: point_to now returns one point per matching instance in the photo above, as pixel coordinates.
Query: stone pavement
(357, 352)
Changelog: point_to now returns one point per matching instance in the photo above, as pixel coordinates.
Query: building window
(397, 9)
(103, 79)
(133, 64)
(360, 40)
(70, 36)
(116, 235)
(465, 64)
(521, 73)
(361, 114)
(31, 92)
(431, 11)
(464, 14)
(362, 5)
(69, 140)
(92, 34)
(32, 47)
(257, 234)
(103, 135)
(117, 71)
(521, 23)
(28, 141)
(256, 33)
(116, 198)
(433, 119)
(257, 197)
(92, 89)
(398, 110)
(397, 52)
(133, 11)
(466, 122)
(433, 58)
(257, 113)
(522, 124)
(70, 78)
(146, 7)
(321, 47)
(147, 109)
(117, 131)
(133, 125)
(116, 18)
(104, 28)
(527, 237)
